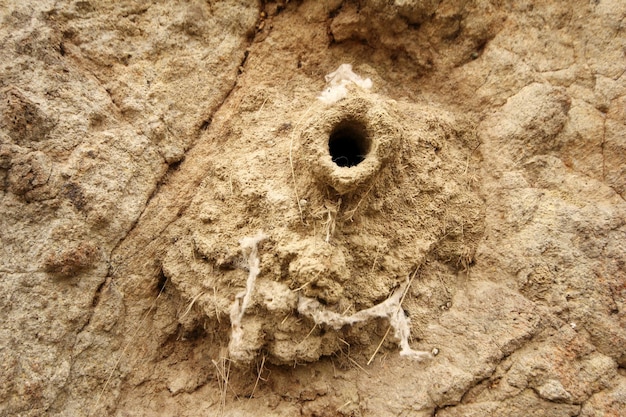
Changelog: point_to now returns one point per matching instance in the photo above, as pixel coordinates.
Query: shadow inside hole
(348, 144)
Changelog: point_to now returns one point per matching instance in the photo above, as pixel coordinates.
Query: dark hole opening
(348, 144)
(162, 281)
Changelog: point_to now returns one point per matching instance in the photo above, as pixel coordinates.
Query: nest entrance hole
(348, 143)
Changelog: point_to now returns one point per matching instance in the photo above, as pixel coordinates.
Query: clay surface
(202, 212)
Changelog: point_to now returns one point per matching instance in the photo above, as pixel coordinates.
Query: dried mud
(188, 230)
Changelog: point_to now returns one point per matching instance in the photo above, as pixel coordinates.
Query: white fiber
(338, 80)
(242, 299)
(390, 309)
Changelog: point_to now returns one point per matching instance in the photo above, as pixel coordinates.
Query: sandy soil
(187, 229)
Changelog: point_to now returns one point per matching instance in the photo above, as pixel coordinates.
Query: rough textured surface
(140, 143)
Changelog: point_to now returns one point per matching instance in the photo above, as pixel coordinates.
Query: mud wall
(187, 229)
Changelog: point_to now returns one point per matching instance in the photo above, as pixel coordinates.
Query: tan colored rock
(140, 142)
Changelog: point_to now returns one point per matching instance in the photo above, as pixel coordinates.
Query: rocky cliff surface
(187, 229)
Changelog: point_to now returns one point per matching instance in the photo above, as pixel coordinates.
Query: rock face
(187, 229)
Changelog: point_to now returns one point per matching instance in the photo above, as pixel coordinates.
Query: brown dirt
(141, 145)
